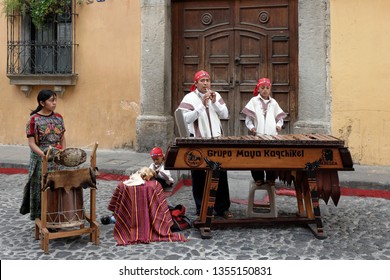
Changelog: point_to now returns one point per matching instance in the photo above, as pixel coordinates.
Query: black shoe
(105, 220)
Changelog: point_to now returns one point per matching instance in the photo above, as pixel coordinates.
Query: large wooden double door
(237, 42)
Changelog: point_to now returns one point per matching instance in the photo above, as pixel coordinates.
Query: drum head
(70, 157)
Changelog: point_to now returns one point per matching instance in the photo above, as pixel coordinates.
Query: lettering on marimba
(326, 157)
(251, 154)
(284, 153)
(256, 153)
(223, 153)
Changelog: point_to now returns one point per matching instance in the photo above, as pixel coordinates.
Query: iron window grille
(44, 55)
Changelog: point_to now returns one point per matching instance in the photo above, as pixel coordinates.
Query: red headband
(261, 82)
(198, 75)
(156, 152)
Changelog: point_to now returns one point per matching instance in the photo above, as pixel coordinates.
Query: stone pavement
(358, 228)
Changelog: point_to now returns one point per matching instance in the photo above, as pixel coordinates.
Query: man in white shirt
(202, 110)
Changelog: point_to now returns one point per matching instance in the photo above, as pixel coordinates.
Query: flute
(210, 97)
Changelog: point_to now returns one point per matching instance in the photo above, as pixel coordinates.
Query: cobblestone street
(357, 229)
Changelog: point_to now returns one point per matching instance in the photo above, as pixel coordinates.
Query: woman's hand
(34, 147)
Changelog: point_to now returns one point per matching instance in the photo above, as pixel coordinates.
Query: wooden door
(237, 42)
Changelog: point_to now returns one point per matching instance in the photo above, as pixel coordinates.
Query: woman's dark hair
(43, 95)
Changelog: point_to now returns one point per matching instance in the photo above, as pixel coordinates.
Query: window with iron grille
(43, 55)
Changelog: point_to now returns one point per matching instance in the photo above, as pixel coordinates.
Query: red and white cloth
(264, 115)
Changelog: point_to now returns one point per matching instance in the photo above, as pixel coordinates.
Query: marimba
(310, 161)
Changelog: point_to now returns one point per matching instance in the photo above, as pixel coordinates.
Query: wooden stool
(271, 206)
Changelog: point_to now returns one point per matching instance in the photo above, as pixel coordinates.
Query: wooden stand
(307, 200)
(44, 231)
(296, 158)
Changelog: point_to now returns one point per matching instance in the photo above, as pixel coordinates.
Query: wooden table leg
(299, 194)
(209, 196)
(318, 228)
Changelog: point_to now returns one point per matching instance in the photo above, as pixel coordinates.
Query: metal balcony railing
(29, 57)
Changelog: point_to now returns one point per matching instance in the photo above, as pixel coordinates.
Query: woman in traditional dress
(44, 128)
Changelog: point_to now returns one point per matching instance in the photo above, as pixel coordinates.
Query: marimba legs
(208, 201)
(307, 186)
(205, 232)
(318, 228)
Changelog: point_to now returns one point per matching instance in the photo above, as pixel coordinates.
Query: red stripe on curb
(187, 182)
(180, 184)
(11, 171)
(365, 193)
(347, 192)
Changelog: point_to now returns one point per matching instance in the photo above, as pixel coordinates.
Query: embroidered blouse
(47, 130)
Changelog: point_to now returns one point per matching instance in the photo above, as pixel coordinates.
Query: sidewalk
(126, 162)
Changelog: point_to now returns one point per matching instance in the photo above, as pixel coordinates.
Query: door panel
(250, 58)
(219, 65)
(237, 42)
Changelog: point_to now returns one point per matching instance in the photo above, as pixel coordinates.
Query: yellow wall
(360, 78)
(104, 103)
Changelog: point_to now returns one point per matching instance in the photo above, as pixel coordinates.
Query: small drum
(65, 189)
(70, 157)
(65, 208)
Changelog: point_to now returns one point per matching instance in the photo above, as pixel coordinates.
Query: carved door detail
(237, 42)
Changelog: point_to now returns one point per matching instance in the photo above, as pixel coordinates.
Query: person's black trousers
(258, 175)
(222, 201)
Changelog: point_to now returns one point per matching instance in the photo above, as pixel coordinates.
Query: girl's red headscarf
(261, 82)
(198, 75)
(156, 152)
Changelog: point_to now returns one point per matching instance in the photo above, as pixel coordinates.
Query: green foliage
(10, 6)
(40, 10)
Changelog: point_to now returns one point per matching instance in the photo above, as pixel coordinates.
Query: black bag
(180, 220)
